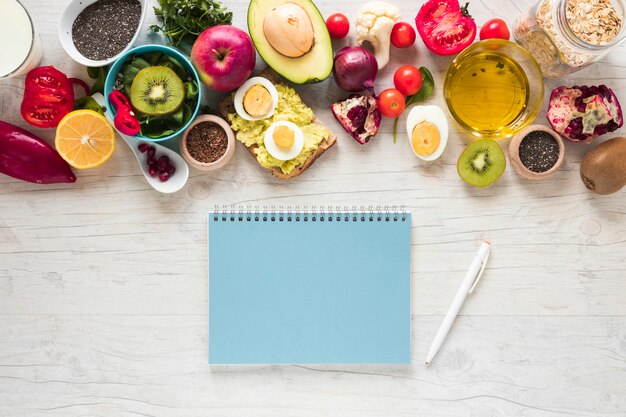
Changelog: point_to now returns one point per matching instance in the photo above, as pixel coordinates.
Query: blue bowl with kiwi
(161, 85)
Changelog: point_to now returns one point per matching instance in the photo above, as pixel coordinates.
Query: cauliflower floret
(374, 24)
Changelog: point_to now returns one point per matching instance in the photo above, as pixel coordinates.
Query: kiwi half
(481, 163)
(157, 91)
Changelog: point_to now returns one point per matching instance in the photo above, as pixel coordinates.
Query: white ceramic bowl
(68, 17)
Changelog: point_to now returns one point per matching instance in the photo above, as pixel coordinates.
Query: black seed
(105, 27)
(539, 151)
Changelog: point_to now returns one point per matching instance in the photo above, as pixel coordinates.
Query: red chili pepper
(48, 96)
(117, 99)
(26, 157)
(125, 120)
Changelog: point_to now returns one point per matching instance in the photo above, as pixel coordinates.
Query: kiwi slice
(481, 163)
(157, 91)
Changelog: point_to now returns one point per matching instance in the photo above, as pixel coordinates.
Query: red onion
(355, 69)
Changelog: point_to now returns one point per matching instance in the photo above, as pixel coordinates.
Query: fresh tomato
(391, 103)
(48, 96)
(403, 35)
(408, 80)
(495, 28)
(445, 27)
(41, 114)
(338, 25)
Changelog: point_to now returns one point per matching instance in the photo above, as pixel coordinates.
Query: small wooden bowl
(223, 160)
(515, 160)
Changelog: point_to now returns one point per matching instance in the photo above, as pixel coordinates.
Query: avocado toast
(322, 137)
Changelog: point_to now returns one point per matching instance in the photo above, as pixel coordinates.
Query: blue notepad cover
(309, 292)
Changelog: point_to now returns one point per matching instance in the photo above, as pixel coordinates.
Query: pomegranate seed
(151, 161)
(163, 163)
(143, 147)
(164, 176)
(151, 150)
(152, 171)
(171, 169)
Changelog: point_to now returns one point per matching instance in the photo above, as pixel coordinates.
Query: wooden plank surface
(103, 283)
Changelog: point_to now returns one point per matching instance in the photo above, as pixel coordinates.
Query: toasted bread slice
(227, 107)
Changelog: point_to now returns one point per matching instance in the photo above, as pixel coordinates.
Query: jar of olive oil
(494, 89)
(567, 35)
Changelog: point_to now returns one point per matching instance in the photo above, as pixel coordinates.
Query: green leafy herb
(99, 74)
(182, 21)
(428, 85)
(500, 65)
(88, 103)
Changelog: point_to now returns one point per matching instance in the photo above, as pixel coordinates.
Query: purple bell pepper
(26, 157)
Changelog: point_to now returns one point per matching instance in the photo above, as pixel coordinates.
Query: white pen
(467, 287)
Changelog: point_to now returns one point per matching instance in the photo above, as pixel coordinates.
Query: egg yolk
(257, 101)
(283, 136)
(425, 138)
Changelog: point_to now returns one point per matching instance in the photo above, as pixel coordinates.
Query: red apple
(224, 57)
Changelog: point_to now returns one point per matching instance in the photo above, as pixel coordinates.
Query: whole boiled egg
(427, 128)
(256, 99)
(284, 140)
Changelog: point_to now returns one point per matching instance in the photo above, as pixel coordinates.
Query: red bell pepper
(26, 157)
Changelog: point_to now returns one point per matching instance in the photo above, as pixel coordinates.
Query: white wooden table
(103, 286)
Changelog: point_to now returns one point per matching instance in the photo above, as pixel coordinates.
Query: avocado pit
(289, 30)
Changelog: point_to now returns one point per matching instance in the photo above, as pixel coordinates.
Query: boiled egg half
(256, 99)
(427, 128)
(284, 140)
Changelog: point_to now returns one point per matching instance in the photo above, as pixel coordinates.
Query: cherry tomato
(445, 27)
(495, 28)
(403, 35)
(408, 80)
(391, 103)
(338, 25)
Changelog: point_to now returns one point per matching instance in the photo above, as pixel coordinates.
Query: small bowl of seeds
(208, 143)
(536, 152)
(95, 33)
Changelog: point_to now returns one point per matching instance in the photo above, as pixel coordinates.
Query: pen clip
(480, 273)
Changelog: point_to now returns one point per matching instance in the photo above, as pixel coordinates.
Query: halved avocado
(314, 65)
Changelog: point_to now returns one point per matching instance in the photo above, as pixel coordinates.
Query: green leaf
(191, 90)
(182, 22)
(428, 86)
(99, 74)
(88, 103)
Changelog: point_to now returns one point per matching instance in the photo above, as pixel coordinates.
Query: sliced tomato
(42, 114)
(48, 96)
(48, 78)
(445, 27)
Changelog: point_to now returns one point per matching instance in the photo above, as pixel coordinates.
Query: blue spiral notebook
(309, 287)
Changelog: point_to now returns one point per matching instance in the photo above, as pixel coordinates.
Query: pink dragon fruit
(359, 116)
(582, 113)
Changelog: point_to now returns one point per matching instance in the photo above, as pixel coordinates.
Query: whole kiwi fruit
(603, 169)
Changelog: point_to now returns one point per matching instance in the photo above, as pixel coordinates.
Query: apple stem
(220, 53)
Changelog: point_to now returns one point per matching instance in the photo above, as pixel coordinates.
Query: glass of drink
(21, 50)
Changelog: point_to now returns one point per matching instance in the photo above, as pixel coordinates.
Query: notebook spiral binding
(312, 214)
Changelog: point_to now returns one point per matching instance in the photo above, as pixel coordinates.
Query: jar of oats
(567, 35)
